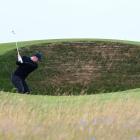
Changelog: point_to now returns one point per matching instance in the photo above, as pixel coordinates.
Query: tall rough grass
(97, 117)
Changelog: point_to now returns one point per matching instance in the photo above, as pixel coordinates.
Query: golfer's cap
(39, 56)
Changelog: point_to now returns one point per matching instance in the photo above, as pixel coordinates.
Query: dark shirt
(25, 68)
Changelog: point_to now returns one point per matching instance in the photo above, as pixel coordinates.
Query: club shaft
(17, 46)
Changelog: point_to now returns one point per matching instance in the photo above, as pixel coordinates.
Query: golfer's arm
(18, 62)
(25, 61)
(28, 63)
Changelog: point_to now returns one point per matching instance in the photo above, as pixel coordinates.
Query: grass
(4, 47)
(113, 116)
(74, 65)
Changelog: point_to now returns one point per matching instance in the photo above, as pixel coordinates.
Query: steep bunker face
(79, 67)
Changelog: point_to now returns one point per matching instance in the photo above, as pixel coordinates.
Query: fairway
(113, 116)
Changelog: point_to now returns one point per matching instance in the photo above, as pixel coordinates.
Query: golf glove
(20, 58)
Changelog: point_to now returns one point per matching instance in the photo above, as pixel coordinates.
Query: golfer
(26, 65)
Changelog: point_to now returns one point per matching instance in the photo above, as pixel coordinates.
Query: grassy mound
(77, 66)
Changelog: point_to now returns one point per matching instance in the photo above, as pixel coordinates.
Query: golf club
(19, 56)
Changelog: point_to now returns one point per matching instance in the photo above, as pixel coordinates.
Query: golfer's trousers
(20, 84)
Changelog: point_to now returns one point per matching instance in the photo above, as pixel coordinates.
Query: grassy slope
(113, 116)
(52, 65)
(4, 47)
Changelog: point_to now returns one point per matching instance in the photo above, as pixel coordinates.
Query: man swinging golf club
(26, 65)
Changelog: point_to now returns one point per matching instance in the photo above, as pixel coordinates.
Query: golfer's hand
(20, 58)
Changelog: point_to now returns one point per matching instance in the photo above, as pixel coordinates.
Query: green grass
(4, 47)
(71, 68)
(113, 116)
